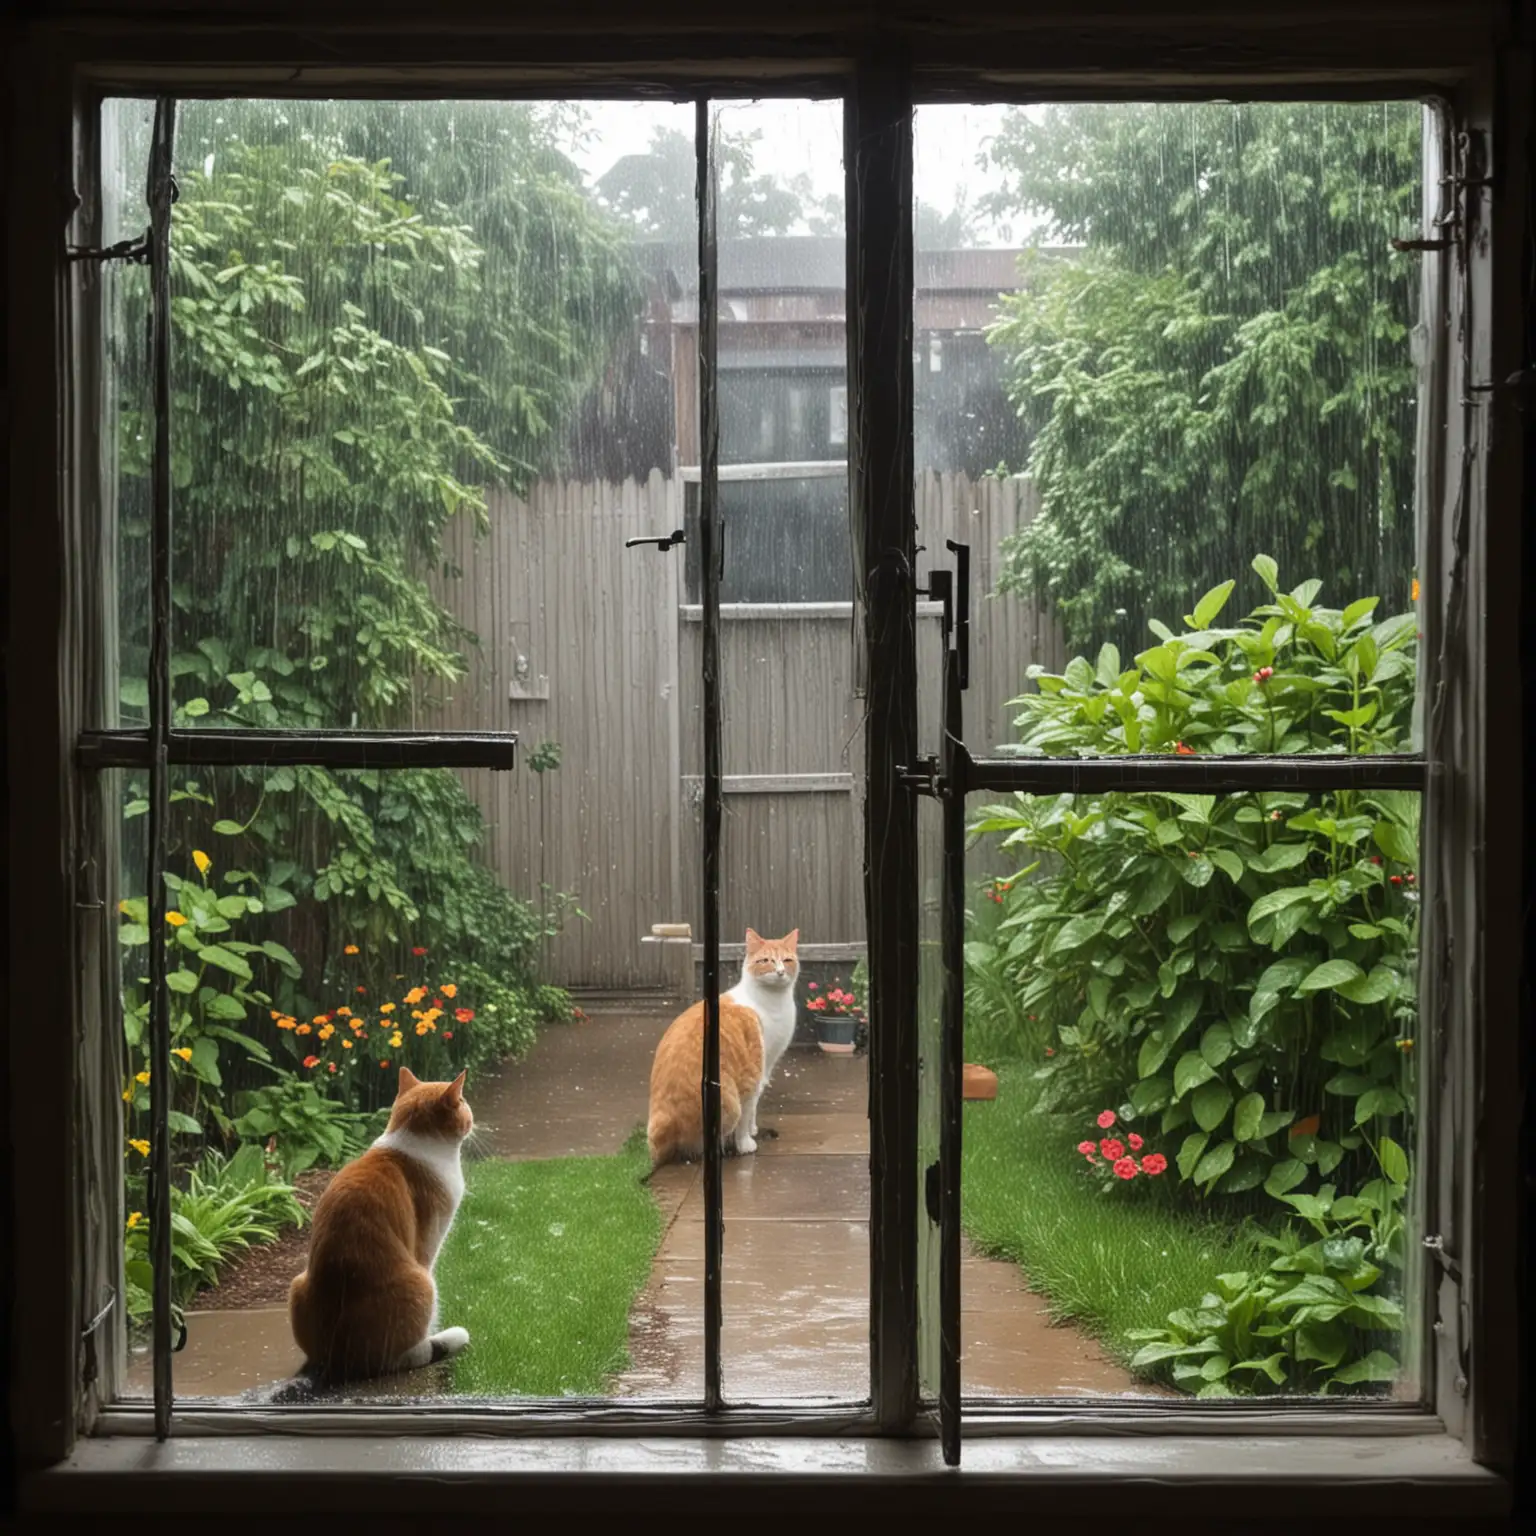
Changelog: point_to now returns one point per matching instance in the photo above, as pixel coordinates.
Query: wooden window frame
(63, 1074)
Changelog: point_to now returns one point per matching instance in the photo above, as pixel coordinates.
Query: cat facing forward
(757, 1022)
(367, 1303)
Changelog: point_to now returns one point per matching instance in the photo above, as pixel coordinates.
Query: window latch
(662, 541)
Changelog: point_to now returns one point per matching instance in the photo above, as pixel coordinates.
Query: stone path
(796, 1280)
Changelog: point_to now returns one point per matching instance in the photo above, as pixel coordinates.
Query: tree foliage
(1225, 362)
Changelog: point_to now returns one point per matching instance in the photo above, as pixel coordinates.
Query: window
(896, 400)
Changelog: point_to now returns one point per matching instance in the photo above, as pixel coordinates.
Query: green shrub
(304, 1128)
(1238, 966)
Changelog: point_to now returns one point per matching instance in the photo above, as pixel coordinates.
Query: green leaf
(1395, 842)
(1330, 974)
(214, 954)
(195, 709)
(1279, 856)
(1197, 871)
(1075, 932)
(1277, 901)
(1215, 1163)
(1191, 1152)
(1246, 1117)
(1284, 1177)
(205, 1061)
(1192, 1070)
(130, 935)
(222, 1006)
(1151, 1095)
(1227, 862)
(1394, 1161)
(1153, 1053)
(182, 980)
(1374, 988)
(183, 1125)
(1209, 607)
(1210, 1103)
(1357, 610)
(228, 828)
(1385, 1102)
(1376, 1366)
(1267, 571)
(1216, 1044)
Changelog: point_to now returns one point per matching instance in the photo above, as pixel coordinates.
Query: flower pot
(835, 1035)
(979, 1082)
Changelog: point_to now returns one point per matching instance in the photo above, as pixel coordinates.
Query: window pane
(796, 1262)
(535, 247)
(1167, 387)
(1202, 1156)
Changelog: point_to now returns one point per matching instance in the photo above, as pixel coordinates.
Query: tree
(654, 193)
(353, 367)
(1225, 364)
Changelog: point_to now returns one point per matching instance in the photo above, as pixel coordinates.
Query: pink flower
(1087, 1148)
(1135, 1141)
(812, 987)
(1154, 1163)
(1263, 675)
(1125, 1168)
(1113, 1151)
(1106, 1120)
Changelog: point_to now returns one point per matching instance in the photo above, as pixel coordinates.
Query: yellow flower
(320, 1018)
(128, 1095)
(201, 859)
(351, 949)
(143, 1077)
(301, 1029)
(284, 1022)
(326, 1031)
(343, 1013)
(448, 989)
(175, 919)
(415, 995)
(134, 1218)
(386, 1007)
(184, 1051)
(346, 1045)
(141, 1147)
(1415, 596)
(396, 1040)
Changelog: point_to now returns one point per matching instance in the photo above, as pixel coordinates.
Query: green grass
(1105, 1262)
(542, 1266)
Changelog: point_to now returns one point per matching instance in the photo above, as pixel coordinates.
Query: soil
(261, 1276)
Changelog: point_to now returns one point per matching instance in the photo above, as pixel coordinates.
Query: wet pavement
(796, 1271)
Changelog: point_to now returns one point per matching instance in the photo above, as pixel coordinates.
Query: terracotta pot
(979, 1082)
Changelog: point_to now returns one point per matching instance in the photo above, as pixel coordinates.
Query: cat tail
(661, 1139)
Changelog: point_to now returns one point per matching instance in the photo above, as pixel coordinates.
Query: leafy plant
(1226, 354)
(301, 1127)
(1241, 967)
(1318, 1320)
(227, 1206)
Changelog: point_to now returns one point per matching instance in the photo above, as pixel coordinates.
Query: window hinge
(89, 1367)
(133, 251)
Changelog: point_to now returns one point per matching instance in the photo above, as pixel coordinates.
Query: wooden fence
(589, 645)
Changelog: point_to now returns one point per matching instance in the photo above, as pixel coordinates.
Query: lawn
(1106, 1263)
(542, 1266)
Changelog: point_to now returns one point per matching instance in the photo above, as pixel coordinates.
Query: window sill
(1426, 1476)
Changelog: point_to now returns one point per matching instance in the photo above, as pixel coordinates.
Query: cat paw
(449, 1342)
(744, 1145)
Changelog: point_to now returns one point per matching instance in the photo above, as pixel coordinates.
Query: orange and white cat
(367, 1303)
(757, 1022)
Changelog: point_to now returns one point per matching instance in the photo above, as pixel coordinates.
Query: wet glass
(1199, 1172)
(1167, 388)
(428, 380)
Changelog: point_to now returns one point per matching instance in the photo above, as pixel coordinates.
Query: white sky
(805, 137)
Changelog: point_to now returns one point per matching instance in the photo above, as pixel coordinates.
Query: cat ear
(754, 941)
(792, 940)
(408, 1079)
(453, 1095)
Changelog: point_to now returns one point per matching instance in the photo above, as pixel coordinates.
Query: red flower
(1396, 879)
(464, 1015)
(1263, 675)
(1135, 1141)
(331, 1066)
(1050, 1050)
(1112, 1149)
(1087, 1148)
(447, 1034)
(362, 991)
(420, 949)
(311, 1061)
(1154, 1163)
(383, 1064)
(1125, 1168)
(1106, 1120)
(1180, 750)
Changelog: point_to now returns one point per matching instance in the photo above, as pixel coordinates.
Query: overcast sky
(805, 137)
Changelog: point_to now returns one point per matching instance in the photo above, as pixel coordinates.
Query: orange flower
(1415, 594)
(383, 1063)
(286, 1023)
(343, 1013)
(321, 1018)
(386, 1007)
(301, 1029)
(311, 1061)
(175, 919)
(464, 1015)
(416, 994)
(351, 949)
(448, 989)
(346, 1045)
(326, 1031)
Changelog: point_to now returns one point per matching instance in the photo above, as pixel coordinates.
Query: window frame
(52, 896)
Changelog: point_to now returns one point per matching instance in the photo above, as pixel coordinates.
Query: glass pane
(930, 1041)
(426, 527)
(796, 1270)
(1198, 1174)
(1167, 388)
